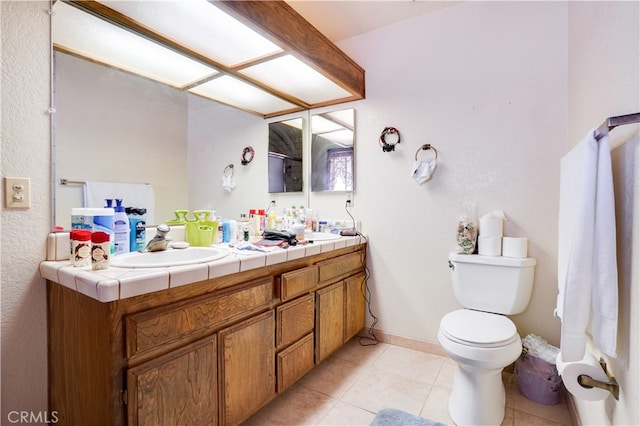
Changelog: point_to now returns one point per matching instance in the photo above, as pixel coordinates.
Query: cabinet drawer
(294, 362)
(297, 282)
(340, 267)
(175, 324)
(294, 319)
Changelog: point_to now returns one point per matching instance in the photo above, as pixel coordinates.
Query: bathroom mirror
(332, 159)
(285, 162)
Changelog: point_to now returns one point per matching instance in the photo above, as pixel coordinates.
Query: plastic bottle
(80, 247)
(138, 225)
(100, 248)
(262, 221)
(121, 228)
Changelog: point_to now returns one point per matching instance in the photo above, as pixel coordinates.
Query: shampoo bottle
(121, 228)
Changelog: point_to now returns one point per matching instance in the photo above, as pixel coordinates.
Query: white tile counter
(115, 283)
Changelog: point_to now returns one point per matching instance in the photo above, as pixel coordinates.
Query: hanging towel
(423, 170)
(587, 269)
(132, 194)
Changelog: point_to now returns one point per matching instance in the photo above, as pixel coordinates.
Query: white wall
(25, 152)
(485, 83)
(604, 65)
(117, 127)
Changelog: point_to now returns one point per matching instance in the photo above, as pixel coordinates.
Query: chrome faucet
(159, 242)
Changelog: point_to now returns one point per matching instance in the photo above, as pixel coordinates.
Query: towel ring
(247, 155)
(388, 146)
(426, 147)
(228, 171)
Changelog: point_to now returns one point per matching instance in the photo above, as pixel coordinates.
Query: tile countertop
(115, 283)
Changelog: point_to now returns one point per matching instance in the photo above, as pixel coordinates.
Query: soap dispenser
(121, 228)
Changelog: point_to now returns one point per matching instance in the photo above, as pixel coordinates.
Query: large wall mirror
(286, 156)
(332, 159)
(114, 126)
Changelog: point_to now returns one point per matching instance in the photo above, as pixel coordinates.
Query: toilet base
(478, 396)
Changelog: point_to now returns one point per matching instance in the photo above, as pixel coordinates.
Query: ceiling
(341, 19)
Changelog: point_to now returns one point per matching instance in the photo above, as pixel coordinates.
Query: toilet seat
(478, 329)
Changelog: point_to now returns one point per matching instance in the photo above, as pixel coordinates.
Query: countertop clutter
(116, 283)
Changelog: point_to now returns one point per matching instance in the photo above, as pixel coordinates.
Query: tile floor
(357, 381)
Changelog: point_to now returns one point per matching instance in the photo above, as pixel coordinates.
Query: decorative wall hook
(247, 155)
(389, 138)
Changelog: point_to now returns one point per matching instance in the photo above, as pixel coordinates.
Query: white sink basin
(169, 257)
(321, 236)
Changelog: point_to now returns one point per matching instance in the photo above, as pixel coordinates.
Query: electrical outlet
(17, 193)
(349, 200)
(274, 201)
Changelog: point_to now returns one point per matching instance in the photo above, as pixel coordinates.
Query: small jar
(80, 247)
(100, 250)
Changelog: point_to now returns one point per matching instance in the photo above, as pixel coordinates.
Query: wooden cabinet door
(354, 305)
(329, 320)
(248, 376)
(179, 388)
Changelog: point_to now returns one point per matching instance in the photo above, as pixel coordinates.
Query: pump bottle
(121, 228)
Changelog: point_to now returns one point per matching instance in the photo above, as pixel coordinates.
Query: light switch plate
(17, 193)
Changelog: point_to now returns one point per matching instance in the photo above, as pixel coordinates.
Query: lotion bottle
(121, 228)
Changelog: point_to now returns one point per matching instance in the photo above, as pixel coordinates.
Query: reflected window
(339, 175)
(332, 151)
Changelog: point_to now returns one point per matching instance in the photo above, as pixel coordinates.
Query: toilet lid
(478, 328)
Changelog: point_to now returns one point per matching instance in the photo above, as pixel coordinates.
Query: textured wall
(25, 94)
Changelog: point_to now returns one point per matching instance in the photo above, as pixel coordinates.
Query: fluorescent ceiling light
(83, 34)
(235, 92)
(290, 75)
(201, 27)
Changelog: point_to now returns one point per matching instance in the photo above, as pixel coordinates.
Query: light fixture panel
(233, 91)
(288, 74)
(84, 34)
(201, 26)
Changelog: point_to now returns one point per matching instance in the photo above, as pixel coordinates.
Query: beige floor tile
(361, 354)
(296, 406)
(556, 413)
(437, 406)
(333, 377)
(346, 414)
(410, 363)
(520, 418)
(445, 376)
(379, 389)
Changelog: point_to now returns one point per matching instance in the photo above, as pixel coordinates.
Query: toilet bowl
(481, 344)
(480, 338)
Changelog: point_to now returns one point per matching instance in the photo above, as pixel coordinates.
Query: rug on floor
(393, 417)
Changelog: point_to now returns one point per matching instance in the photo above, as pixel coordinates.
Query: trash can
(538, 380)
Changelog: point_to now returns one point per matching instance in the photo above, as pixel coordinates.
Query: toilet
(480, 338)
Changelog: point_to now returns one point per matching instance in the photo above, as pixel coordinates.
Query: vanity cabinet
(207, 353)
(247, 373)
(179, 388)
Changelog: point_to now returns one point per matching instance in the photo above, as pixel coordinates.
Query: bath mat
(393, 417)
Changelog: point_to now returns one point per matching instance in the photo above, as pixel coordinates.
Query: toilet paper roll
(570, 371)
(514, 247)
(491, 226)
(489, 246)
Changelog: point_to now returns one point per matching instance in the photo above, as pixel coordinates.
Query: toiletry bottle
(262, 221)
(121, 228)
(80, 247)
(100, 248)
(138, 225)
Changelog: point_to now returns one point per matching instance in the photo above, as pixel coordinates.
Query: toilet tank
(495, 284)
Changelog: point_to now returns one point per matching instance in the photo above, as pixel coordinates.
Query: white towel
(132, 194)
(587, 269)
